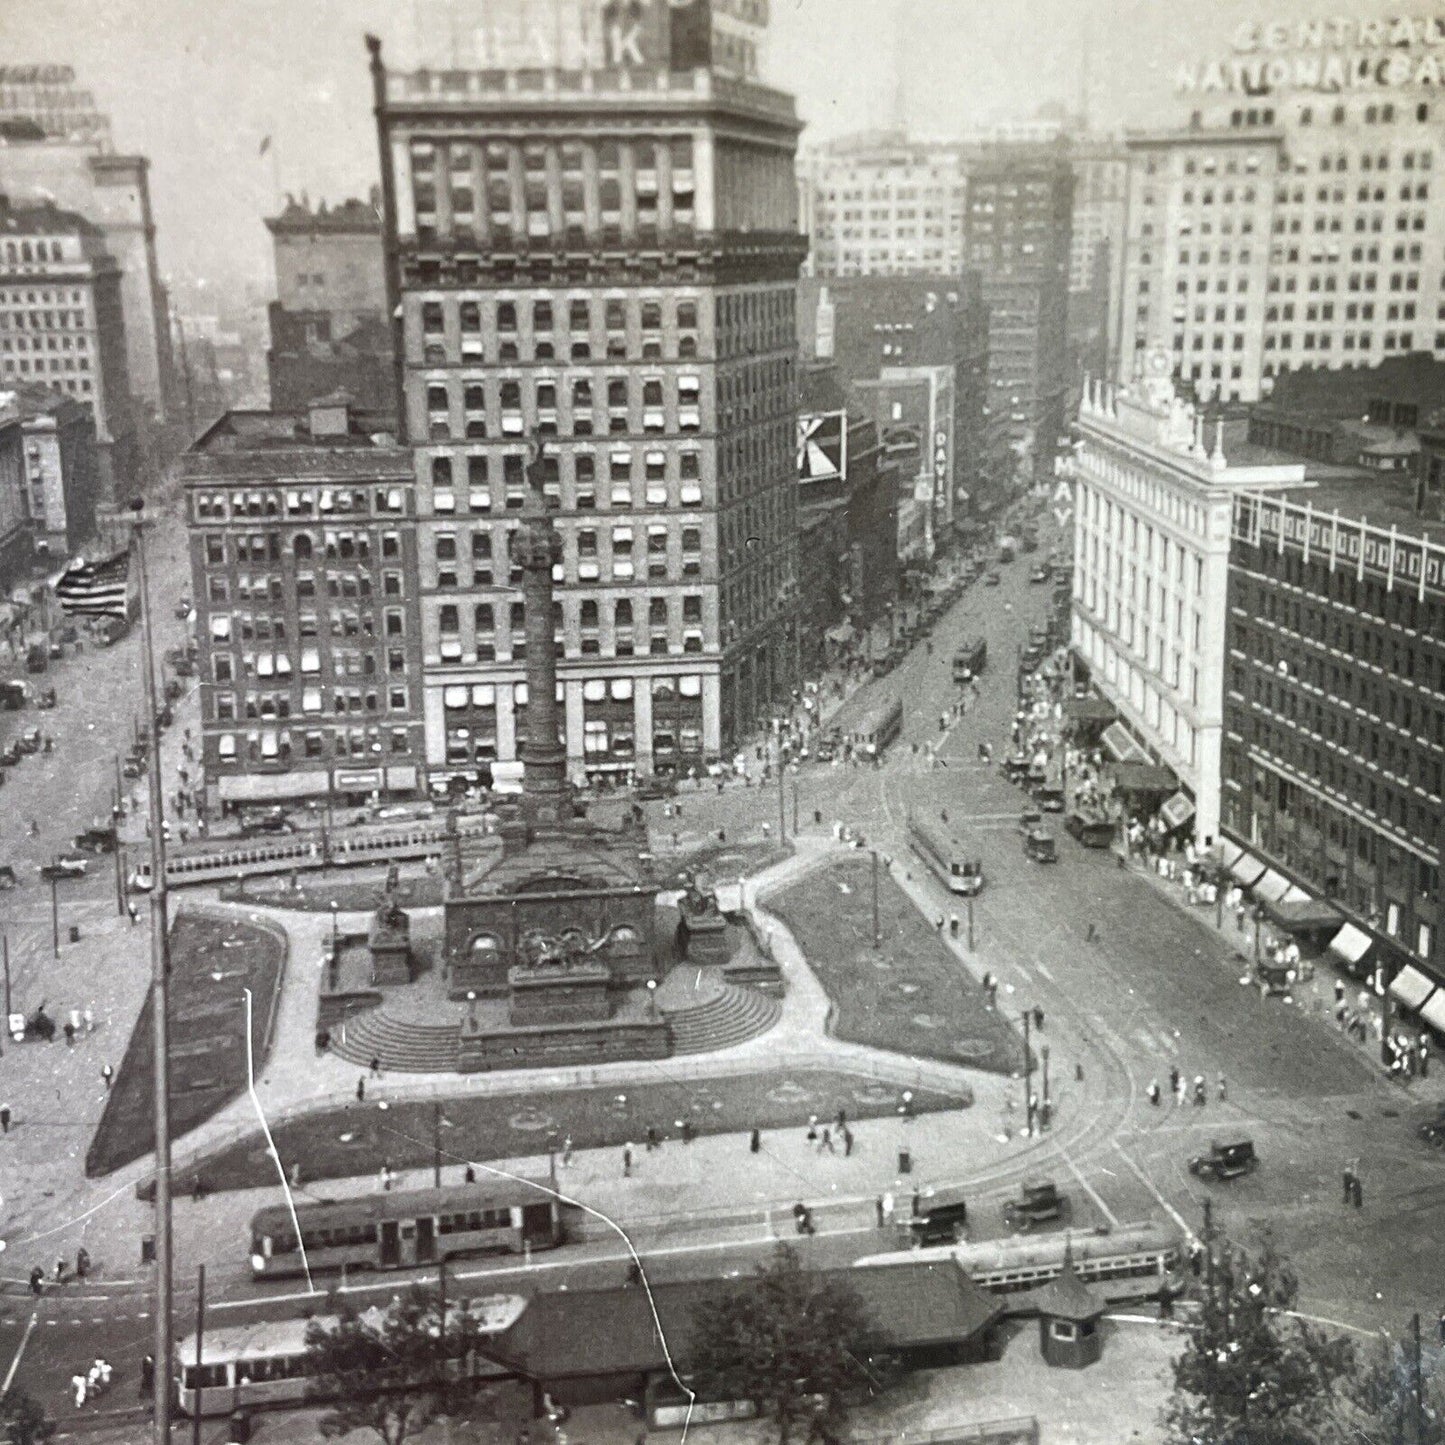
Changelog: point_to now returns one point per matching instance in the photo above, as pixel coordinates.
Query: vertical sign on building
(689, 34)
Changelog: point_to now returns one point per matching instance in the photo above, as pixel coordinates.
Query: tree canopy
(1253, 1372)
(798, 1344)
(395, 1371)
(23, 1420)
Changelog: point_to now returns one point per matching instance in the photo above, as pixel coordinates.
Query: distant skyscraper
(54, 147)
(1295, 220)
(610, 265)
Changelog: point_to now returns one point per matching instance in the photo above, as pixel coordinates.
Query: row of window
(43, 321)
(35, 249)
(279, 747)
(231, 707)
(634, 404)
(219, 506)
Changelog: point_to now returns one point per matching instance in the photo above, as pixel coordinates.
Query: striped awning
(1246, 869)
(1178, 810)
(1120, 745)
(1296, 894)
(1411, 987)
(1433, 1010)
(1228, 852)
(1350, 943)
(1271, 887)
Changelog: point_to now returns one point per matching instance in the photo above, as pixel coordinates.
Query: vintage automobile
(1030, 819)
(992, 579)
(1040, 846)
(653, 790)
(940, 1217)
(66, 866)
(1039, 574)
(29, 741)
(11, 755)
(96, 840)
(1039, 1203)
(1016, 767)
(7, 876)
(1225, 1161)
(1091, 829)
(46, 699)
(13, 694)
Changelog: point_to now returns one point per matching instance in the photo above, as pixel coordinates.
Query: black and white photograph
(722, 722)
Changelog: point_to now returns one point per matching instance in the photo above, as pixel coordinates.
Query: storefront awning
(1246, 869)
(1433, 1010)
(1088, 709)
(1411, 987)
(1120, 745)
(1303, 914)
(1350, 944)
(1136, 777)
(1271, 887)
(1295, 894)
(1228, 852)
(1178, 810)
(271, 787)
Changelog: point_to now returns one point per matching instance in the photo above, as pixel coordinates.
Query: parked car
(29, 741)
(66, 866)
(1225, 1161)
(96, 840)
(1039, 574)
(11, 755)
(992, 579)
(655, 789)
(7, 876)
(269, 822)
(13, 694)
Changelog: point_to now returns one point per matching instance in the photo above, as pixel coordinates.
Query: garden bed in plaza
(911, 995)
(355, 1139)
(214, 960)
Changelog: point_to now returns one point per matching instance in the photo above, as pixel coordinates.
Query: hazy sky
(197, 84)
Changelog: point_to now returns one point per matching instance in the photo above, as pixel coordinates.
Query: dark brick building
(1334, 709)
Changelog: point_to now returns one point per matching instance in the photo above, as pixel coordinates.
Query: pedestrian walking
(567, 1152)
(147, 1376)
(1154, 1092)
(1038, 1019)
(653, 1142)
(827, 1142)
(361, 1090)
(686, 1131)
(1359, 1193)
(4, 1118)
(755, 1142)
(133, 911)
(883, 1219)
(1424, 1057)
(1348, 1180)
(77, 1386)
(1175, 1078)
(812, 1129)
(375, 1067)
(107, 1073)
(842, 1120)
(69, 1034)
(60, 1270)
(847, 1142)
(627, 1161)
(1092, 935)
(1223, 1089)
(89, 1016)
(37, 1280)
(82, 1262)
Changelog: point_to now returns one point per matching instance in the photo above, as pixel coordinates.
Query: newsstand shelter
(586, 1347)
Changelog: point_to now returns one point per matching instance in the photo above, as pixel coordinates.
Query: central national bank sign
(1330, 56)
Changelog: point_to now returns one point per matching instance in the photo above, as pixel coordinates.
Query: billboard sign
(822, 446)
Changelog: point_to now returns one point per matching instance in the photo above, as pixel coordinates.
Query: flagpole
(160, 1008)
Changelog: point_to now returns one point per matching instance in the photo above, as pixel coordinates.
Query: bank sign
(1330, 56)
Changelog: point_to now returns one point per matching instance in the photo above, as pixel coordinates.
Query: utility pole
(1419, 1381)
(5, 946)
(436, 1143)
(970, 922)
(877, 930)
(200, 1330)
(54, 907)
(795, 807)
(119, 875)
(1028, 1079)
(1209, 1295)
(160, 1011)
(782, 798)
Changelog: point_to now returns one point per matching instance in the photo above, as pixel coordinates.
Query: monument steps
(406, 1046)
(731, 1015)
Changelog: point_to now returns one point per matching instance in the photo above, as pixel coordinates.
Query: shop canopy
(1411, 987)
(1271, 887)
(1246, 869)
(1229, 850)
(1090, 709)
(1433, 1010)
(1178, 810)
(1350, 943)
(1297, 912)
(1120, 745)
(1133, 777)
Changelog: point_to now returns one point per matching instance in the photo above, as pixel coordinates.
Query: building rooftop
(43, 219)
(352, 216)
(331, 438)
(1384, 499)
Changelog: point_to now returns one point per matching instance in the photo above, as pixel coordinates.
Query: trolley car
(266, 1363)
(1134, 1262)
(959, 867)
(406, 1228)
(871, 728)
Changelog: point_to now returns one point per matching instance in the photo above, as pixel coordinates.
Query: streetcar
(867, 728)
(396, 1230)
(1133, 1262)
(956, 864)
(265, 1364)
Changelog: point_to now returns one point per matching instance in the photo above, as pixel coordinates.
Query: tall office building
(1295, 220)
(329, 327)
(602, 260)
(1017, 236)
(1096, 250)
(62, 326)
(54, 147)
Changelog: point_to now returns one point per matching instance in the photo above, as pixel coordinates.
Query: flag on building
(95, 589)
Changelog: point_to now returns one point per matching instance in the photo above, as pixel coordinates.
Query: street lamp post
(1044, 1055)
(652, 998)
(54, 907)
(1028, 1079)
(335, 931)
(877, 931)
